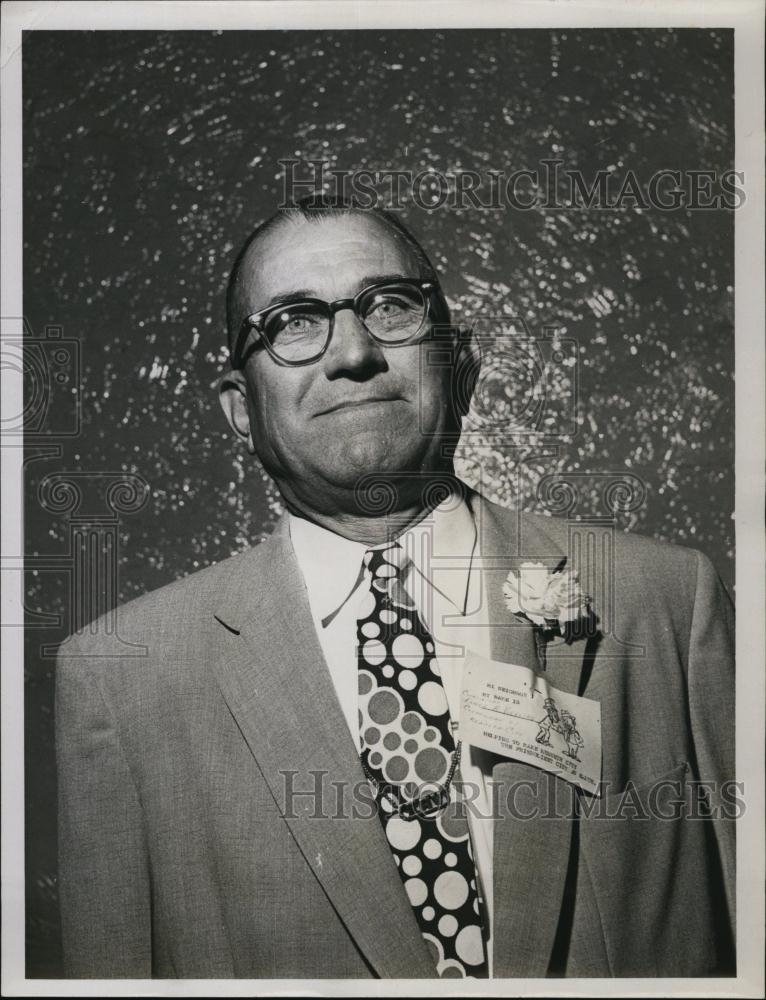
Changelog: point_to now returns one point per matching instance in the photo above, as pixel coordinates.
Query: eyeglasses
(394, 313)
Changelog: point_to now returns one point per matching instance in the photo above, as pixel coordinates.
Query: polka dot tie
(408, 749)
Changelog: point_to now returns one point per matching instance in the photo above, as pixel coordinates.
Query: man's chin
(377, 480)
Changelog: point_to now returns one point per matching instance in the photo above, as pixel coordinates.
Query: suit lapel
(278, 687)
(531, 855)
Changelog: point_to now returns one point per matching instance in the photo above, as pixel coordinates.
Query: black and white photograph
(383, 447)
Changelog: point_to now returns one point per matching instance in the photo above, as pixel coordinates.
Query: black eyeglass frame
(257, 321)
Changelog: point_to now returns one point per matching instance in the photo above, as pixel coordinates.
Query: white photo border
(746, 18)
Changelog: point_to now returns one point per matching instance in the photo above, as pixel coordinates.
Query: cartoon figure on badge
(551, 721)
(570, 734)
(564, 724)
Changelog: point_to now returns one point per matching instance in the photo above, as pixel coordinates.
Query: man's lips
(346, 404)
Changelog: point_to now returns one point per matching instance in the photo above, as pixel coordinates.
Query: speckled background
(148, 158)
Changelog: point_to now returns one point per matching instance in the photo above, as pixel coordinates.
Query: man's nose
(353, 351)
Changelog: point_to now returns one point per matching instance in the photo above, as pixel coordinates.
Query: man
(279, 787)
(550, 721)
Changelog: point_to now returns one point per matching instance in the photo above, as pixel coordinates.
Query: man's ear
(232, 395)
(466, 370)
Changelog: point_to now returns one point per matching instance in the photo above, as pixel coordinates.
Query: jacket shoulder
(637, 556)
(633, 546)
(662, 580)
(178, 607)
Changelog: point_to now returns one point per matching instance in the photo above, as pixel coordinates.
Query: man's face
(361, 408)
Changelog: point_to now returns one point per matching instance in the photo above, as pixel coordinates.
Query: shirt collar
(331, 564)
(441, 548)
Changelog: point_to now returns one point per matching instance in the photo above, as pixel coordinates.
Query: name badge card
(513, 711)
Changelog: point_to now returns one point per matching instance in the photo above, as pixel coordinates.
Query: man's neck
(369, 528)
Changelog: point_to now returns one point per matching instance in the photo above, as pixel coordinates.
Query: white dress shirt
(443, 577)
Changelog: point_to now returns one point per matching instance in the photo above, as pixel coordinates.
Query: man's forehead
(328, 256)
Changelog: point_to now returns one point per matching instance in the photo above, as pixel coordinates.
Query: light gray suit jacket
(176, 856)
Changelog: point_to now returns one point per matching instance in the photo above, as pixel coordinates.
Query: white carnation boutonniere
(552, 600)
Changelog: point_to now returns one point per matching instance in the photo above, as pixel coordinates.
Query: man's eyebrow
(374, 279)
(300, 294)
(285, 298)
